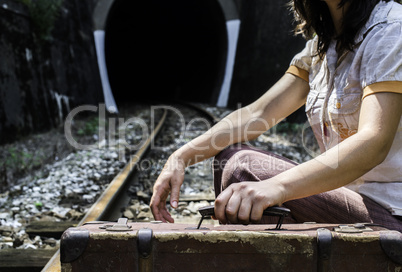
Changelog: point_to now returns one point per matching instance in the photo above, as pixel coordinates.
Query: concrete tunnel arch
(166, 49)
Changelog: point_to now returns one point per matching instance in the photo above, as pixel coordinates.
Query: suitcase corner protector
(391, 244)
(73, 243)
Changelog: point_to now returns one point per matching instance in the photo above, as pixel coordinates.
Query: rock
(4, 216)
(78, 190)
(15, 209)
(95, 187)
(88, 198)
(128, 214)
(97, 176)
(135, 208)
(6, 239)
(28, 246)
(50, 242)
(144, 215)
(186, 212)
(48, 217)
(6, 245)
(18, 241)
(6, 231)
(143, 195)
(144, 208)
(74, 215)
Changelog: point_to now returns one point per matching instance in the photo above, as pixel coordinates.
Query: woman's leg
(340, 206)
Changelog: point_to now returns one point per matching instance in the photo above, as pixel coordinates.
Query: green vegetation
(90, 127)
(44, 14)
(38, 205)
(21, 160)
(286, 127)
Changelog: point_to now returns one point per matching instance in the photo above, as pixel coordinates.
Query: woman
(349, 76)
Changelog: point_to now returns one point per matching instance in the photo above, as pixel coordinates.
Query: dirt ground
(26, 157)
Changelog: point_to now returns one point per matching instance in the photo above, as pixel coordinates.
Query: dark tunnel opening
(166, 50)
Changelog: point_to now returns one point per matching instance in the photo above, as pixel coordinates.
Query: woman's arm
(249, 122)
(244, 124)
(379, 119)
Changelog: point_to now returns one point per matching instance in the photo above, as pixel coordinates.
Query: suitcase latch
(355, 228)
(121, 225)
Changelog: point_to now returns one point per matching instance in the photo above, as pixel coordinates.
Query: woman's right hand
(169, 181)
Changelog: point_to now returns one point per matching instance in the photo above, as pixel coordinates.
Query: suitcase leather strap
(324, 240)
(144, 244)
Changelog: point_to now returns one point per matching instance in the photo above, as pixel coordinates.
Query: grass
(22, 160)
(90, 127)
(44, 14)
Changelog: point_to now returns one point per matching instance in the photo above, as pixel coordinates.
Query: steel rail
(108, 196)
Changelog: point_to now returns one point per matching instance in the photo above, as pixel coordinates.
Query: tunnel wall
(265, 48)
(42, 79)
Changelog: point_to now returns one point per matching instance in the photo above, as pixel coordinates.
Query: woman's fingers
(161, 192)
(168, 182)
(232, 208)
(165, 214)
(244, 212)
(220, 204)
(158, 203)
(175, 185)
(241, 203)
(256, 214)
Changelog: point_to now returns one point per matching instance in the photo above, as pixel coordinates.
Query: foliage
(44, 14)
(90, 127)
(38, 205)
(286, 127)
(21, 160)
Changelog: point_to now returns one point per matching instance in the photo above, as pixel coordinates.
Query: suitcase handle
(282, 212)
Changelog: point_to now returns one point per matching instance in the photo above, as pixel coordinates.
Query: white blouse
(338, 84)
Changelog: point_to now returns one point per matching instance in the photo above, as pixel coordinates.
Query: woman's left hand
(245, 202)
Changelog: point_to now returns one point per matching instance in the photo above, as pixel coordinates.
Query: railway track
(115, 202)
(110, 205)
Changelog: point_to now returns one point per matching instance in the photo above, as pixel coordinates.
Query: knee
(221, 159)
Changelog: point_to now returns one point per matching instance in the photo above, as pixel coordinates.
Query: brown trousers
(341, 206)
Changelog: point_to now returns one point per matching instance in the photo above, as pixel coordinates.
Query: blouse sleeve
(381, 66)
(301, 63)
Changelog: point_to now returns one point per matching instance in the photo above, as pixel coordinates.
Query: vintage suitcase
(156, 246)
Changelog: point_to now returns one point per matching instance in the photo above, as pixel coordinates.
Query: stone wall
(265, 48)
(42, 79)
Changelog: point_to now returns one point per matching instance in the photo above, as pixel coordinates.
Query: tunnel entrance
(166, 50)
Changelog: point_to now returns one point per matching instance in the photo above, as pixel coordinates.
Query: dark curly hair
(313, 18)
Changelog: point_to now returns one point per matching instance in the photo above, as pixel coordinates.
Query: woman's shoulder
(384, 15)
(387, 26)
(395, 13)
(392, 15)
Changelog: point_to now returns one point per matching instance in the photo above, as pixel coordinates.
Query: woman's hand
(245, 202)
(169, 181)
